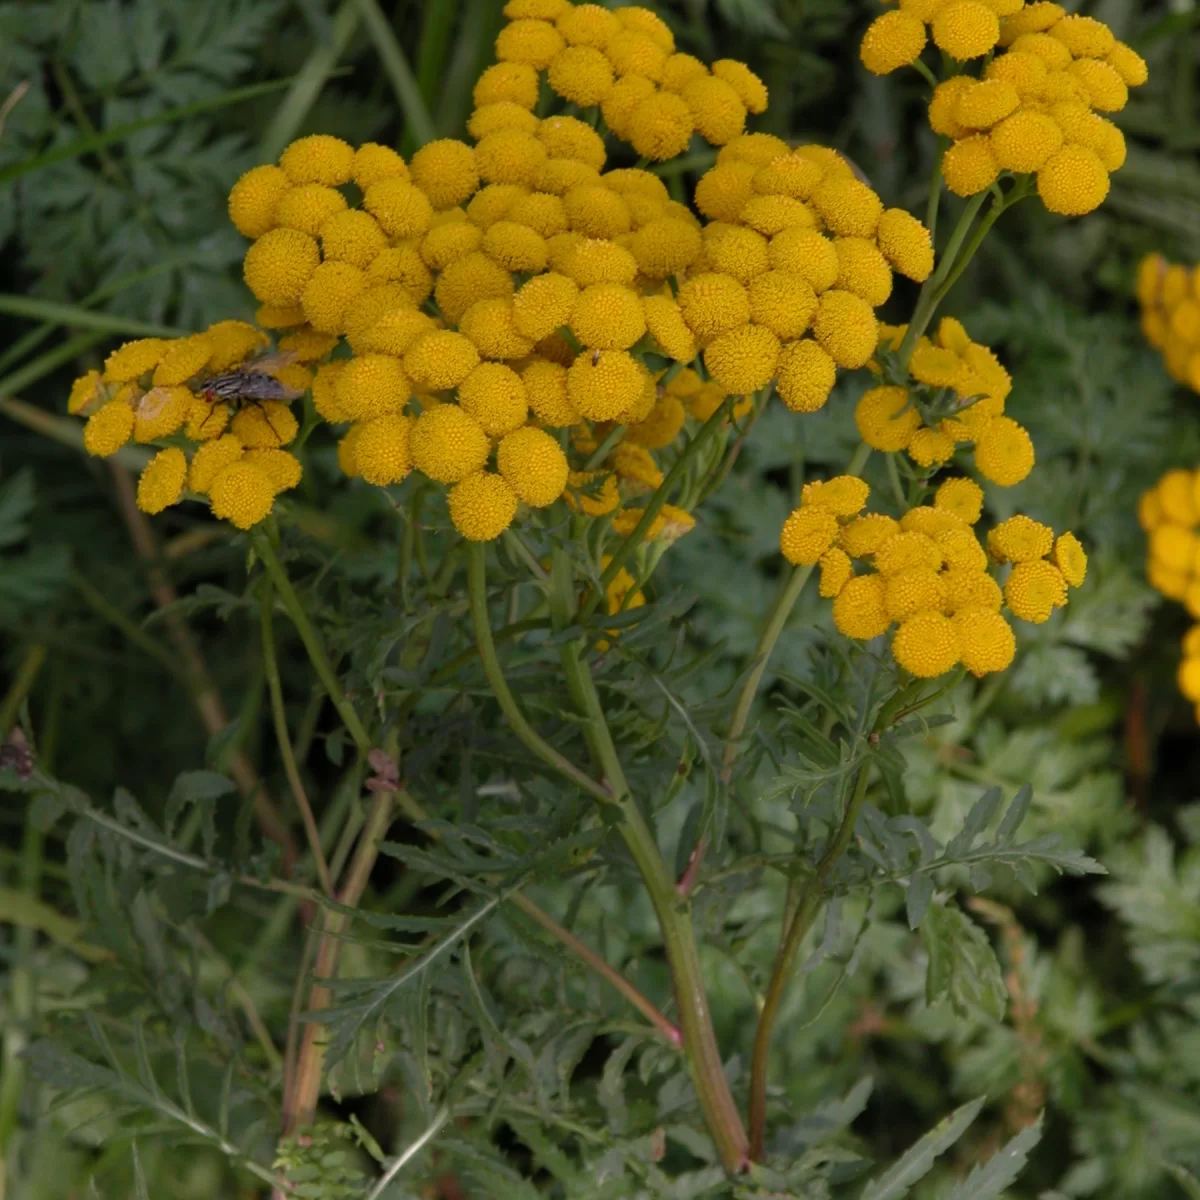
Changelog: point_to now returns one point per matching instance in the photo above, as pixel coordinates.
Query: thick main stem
(801, 923)
(673, 911)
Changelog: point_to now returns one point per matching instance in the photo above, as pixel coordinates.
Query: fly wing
(261, 382)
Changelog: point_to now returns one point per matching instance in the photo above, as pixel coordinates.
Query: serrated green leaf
(917, 1161)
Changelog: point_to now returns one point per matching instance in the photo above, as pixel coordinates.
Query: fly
(247, 385)
(595, 358)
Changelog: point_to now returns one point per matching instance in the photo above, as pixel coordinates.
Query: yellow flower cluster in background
(1169, 296)
(225, 446)
(624, 61)
(960, 400)
(928, 575)
(1170, 513)
(1034, 108)
(797, 255)
(1188, 675)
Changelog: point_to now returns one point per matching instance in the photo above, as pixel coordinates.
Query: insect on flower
(249, 384)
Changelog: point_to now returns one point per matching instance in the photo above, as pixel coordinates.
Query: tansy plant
(545, 359)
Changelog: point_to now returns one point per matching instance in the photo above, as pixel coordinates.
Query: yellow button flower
(1071, 559)
(279, 264)
(494, 202)
(863, 270)
(504, 114)
(846, 328)
(892, 41)
(281, 468)
(445, 171)
(916, 590)
(750, 89)
(569, 137)
(658, 127)
(161, 481)
(1173, 547)
(470, 278)
(232, 342)
(807, 253)
(864, 535)
(1035, 17)
(906, 244)
(1020, 539)
(593, 493)
(543, 305)
(859, 611)
(659, 428)
(1128, 63)
(596, 260)
(1073, 181)
(254, 198)
(679, 70)
(279, 316)
(448, 444)
(1179, 496)
(717, 111)
(806, 376)
(329, 292)
(515, 247)
(400, 208)
(242, 495)
(966, 29)
(723, 191)
(627, 96)
(933, 522)
(441, 359)
(744, 359)
(345, 451)
(1106, 90)
(969, 166)
(84, 392)
(588, 25)
(307, 207)
(1084, 37)
(1187, 677)
(1024, 141)
(597, 212)
(393, 333)
(664, 320)
(783, 302)
(318, 159)
(495, 396)
(961, 549)
(160, 412)
(608, 316)
(836, 572)
(532, 42)
(603, 386)
(985, 639)
(944, 105)
(843, 495)
(848, 207)
(989, 101)
(970, 587)
(713, 303)
(490, 325)
(886, 419)
(930, 447)
(370, 385)
(211, 458)
(534, 466)
(373, 162)
(634, 463)
(807, 534)
(182, 359)
(1034, 590)
(1004, 452)
(1026, 72)
(582, 75)
(516, 82)
(962, 497)
(734, 250)
(665, 247)
(927, 645)
(267, 423)
(905, 551)
(383, 449)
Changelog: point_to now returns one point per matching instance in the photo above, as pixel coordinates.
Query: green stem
(22, 682)
(283, 737)
(776, 622)
(312, 642)
(477, 586)
(104, 608)
(935, 187)
(796, 930)
(673, 912)
(928, 300)
(625, 550)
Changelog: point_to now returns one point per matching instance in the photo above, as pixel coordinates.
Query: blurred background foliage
(125, 122)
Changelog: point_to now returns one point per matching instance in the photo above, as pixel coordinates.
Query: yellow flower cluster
(623, 61)
(1169, 296)
(959, 400)
(1169, 513)
(927, 574)
(1188, 675)
(1034, 108)
(225, 446)
(797, 255)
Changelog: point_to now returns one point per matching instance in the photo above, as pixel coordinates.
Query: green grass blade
(83, 318)
(35, 337)
(417, 120)
(472, 52)
(118, 133)
(41, 366)
(437, 32)
(307, 84)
